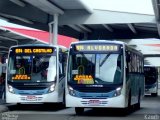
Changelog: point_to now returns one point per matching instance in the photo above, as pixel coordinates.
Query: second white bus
(151, 80)
(104, 74)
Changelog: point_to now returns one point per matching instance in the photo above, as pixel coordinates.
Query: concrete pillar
(53, 30)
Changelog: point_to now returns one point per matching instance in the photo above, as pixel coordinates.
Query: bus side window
(128, 62)
(64, 61)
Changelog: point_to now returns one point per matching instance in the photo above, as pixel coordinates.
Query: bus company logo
(7, 116)
(151, 117)
(31, 84)
(94, 85)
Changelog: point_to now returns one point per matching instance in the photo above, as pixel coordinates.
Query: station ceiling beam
(85, 28)
(132, 28)
(8, 39)
(108, 27)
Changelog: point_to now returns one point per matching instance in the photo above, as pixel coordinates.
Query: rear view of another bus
(35, 74)
(151, 80)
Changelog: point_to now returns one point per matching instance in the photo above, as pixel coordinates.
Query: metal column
(53, 30)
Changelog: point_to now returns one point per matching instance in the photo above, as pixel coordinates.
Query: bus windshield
(32, 68)
(95, 68)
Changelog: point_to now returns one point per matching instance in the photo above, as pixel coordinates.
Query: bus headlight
(118, 91)
(52, 88)
(71, 91)
(10, 89)
(154, 85)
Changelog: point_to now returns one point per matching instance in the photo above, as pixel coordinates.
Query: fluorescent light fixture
(108, 28)
(84, 28)
(76, 28)
(132, 28)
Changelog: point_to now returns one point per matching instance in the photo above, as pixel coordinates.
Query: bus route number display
(33, 50)
(21, 77)
(103, 47)
(84, 79)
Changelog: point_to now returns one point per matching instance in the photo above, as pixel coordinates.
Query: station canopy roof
(78, 19)
(10, 36)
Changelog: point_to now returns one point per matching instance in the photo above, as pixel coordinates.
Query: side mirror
(128, 58)
(127, 71)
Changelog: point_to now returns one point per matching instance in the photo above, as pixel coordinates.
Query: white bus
(104, 74)
(151, 80)
(36, 74)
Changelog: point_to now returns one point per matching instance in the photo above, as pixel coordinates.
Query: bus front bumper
(115, 102)
(45, 98)
(149, 91)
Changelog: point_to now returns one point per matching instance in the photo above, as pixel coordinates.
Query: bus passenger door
(128, 74)
(61, 66)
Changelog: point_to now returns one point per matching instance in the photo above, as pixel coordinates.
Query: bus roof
(99, 41)
(107, 41)
(149, 66)
(45, 45)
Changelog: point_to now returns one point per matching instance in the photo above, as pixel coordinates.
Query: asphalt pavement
(3, 106)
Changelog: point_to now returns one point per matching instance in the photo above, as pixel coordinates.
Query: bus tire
(18, 106)
(127, 110)
(154, 94)
(79, 110)
(64, 100)
(138, 105)
(129, 103)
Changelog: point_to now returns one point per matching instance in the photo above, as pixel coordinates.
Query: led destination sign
(33, 50)
(108, 47)
(21, 77)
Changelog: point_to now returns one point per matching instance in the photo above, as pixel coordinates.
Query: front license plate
(94, 102)
(31, 98)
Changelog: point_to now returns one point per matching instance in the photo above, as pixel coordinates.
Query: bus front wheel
(79, 110)
(129, 107)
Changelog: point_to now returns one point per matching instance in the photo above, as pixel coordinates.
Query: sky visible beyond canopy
(133, 6)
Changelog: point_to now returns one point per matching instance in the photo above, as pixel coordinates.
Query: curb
(3, 108)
